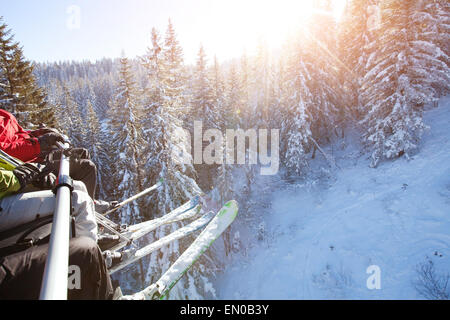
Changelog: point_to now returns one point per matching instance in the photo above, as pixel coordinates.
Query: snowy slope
(320, 241)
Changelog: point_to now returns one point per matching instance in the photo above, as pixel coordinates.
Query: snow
(320, 238)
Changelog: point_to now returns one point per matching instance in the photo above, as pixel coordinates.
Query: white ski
(132, 255)
(212, 231)
(187, 211)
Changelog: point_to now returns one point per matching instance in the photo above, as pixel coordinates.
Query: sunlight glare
(338, 8)
(243, 25)
(273, 20)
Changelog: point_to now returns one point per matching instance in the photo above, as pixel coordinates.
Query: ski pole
(54, 283)
(133, 198)
(9, 160)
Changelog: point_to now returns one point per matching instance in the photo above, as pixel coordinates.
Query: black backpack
(25, 236)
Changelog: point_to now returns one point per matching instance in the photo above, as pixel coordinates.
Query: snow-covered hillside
(320, 239)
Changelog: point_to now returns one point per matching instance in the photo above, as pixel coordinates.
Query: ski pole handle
(135, 197)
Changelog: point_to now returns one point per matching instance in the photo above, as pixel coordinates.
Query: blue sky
(48, 29)
(106, 26)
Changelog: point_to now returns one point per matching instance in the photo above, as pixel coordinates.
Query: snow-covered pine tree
(203, 109)
(103, 86)
(95, 145)
(126, 136)
(202, 102)
(69, 118)
(163, 126)
(277, 90)
(261, 74)
(323, 66)
(178, 175)
(19, 92)
(401, 72)
(437, 24)
(81, 92)
(174, 75)
(153, 121)
(168, 156)
(296, 119)
(152, 62)
(234, 101)
(223, 178)
(218, 92)
(249, 113)
(431, 20)
(230, 115)
(234, 114)
(360, 16)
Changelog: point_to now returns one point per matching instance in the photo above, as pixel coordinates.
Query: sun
(339, 8)
(277, 18)
(238, 25)
(273, 20)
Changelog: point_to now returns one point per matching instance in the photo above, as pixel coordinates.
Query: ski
(131, 233)
(137, 231)
(132, 255)
(212, 231)
(185, 207)
(133, 198)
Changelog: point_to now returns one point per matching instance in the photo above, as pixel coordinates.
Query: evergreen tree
(19, 92)
(321, 60)
(173, 75)
(401, 72)
(169, 157)
(354, 36)
(153, 64)
(202, 103)
(234, 104)
(204, 109)
(249, 114)
(277, 92)
(126, 135)
(153, 119)
(296, 118)
(262, 73)
(164, 125)
(218, 92)
(95, 145)
(223, 179)
(431, 22)
(69, 118)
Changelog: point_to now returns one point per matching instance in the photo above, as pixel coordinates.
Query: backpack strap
(24, 237)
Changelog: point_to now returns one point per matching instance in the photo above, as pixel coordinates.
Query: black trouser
(86, 171)
(82, 170)
(21, 273)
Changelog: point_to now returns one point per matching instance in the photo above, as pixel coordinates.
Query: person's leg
(22, 208)
(84, 213)
(79, 186)
(95, 281)
(86, 171)
(21, 273)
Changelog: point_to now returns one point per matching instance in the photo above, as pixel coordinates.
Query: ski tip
(232, 206)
